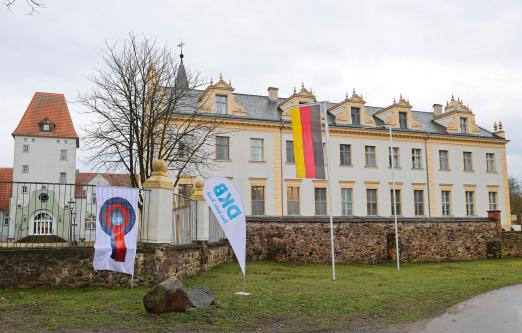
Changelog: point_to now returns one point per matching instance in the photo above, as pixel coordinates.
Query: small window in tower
(46, 126)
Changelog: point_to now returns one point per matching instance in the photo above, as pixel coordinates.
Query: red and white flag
(116, 229)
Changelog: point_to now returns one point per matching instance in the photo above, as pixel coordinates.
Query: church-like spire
(181, 76)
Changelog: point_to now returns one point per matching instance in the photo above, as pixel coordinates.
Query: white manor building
(447, 165)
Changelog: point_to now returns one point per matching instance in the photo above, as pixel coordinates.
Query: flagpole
(330, 186)
(394, 206)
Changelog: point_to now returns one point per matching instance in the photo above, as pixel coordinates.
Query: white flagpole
(330, 186)
(394, 206)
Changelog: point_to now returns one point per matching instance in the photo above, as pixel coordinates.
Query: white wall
(458, 177)
(241, 171)
(43, 159)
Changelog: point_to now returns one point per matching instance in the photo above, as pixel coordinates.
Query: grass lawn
(285, 298)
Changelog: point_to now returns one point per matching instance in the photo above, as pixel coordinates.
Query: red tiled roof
(50, 107)
(6, 187)
(114, 179)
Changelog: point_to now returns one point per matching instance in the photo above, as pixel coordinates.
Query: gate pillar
(158, 228)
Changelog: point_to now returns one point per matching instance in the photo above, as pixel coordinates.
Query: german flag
(308, 143)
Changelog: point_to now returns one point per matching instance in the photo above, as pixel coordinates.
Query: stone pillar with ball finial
(202, 211)
(158, 220)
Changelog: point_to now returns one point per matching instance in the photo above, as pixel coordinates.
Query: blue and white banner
(225, 202)
(116, 229)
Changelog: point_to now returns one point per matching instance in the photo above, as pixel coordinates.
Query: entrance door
(42, 224)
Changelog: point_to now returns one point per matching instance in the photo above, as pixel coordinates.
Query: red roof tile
(50, 107)
(6, 187)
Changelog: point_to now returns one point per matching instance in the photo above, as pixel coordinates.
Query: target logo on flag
(117, 218)
(116, 229)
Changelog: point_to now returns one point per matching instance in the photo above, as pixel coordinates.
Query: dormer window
(46, 126)
(403, 120)
(221, 104)
(463, 125)
(356, 116)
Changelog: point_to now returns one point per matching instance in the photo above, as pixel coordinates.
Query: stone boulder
(200, 298)
(168, 296)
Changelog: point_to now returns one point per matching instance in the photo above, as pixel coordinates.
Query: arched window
(42, 224)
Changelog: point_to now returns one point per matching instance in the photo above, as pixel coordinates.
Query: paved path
(498, 311)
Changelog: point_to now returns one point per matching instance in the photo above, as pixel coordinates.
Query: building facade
(444, 163)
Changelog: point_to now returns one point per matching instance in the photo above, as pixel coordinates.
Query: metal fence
(215, 233)
(185, 223)
(184, 220)
(52, 214)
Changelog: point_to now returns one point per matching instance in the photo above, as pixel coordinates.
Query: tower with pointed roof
(45, 142)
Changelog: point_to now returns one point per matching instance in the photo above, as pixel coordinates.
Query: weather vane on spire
(180, 45)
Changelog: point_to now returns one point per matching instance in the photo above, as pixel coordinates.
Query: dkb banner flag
(308, 144)
(116, 229)
(225, 202)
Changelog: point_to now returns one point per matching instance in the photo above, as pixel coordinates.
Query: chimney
(272, 94)
(437, 109)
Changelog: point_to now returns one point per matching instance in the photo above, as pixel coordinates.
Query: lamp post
(72, 227)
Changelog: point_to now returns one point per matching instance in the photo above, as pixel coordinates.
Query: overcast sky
(424, 50)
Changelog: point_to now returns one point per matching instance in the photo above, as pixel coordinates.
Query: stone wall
(368, 240)
(511, 244)
(71, 267)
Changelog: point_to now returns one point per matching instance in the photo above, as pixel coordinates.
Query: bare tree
(147, 107)
(515, 196)
(34, 5)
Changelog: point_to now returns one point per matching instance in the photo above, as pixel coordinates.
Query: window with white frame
(443, 160)
(403, 120)
(290, 157)
(492, 197)
(418, 202)
(256, 150)
(320, 201)
(25, 148)
(24, 189)
(371, 201)
(393, 154)
(490, 162)
(470, 203)
(416, 158)
(446, 202)
(221, 104)
(6, 220)
(468, 161)
(345, 155)
(185, 146)
(63, 155)
(258, 200)
(356, 116)
(90, 221)
(463, 125)
(222, 148)
(46, 126)
(369, 156)
(346, 201)
(25, 168)
(63, 178)
(184, 192)
(292, 198)
(397, 200)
